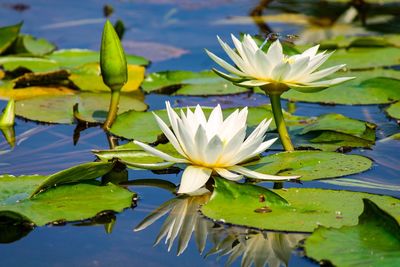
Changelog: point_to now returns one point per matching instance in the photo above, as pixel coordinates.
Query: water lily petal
(193, 178)
(214, 122)
(275, 53)
(225, 64)
(159, 153)
(323, 73)
(213, 150)
(280, 71)
(264, 146)
(228, 174)
(169, 134)
(233, 55)
(311, 52)
(252, 83)
(227, 76)
(253, 174)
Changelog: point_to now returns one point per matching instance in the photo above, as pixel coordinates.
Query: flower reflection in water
(183, 219)
(255, 247)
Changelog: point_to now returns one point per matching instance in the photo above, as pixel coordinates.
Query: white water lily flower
(213, 145)
(254, 67)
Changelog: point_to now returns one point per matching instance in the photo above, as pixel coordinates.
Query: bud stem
(280, 122)
(113, 109)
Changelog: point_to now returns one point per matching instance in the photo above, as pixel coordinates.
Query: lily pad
(189, 83)
(35, 64)
(143, 126)
(375, 241)
(69, 58)
(88, 78)
(33, 91)
(359, 41)
(394, 110)
(378, 90)
(27, 44)
(8, 35)
(249, 205)
(311, 165)
(93, 107)
(65, 203)
(82, 172)
(364, 58)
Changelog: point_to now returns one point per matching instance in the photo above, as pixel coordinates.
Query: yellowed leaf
(135, 78)
(34, 91)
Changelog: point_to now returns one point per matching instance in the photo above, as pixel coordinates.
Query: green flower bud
(8, 116)
(112, 59)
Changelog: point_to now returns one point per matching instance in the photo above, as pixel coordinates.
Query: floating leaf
(92, 107)
(88, 78)
(27, 44)
(8, 35)
(241, 204)
(65, 203)
(189, 83)
(82, 172)
(311, 165)
(394, 110)
(370, 87)
(364, 58)
(34, 91)
(375, 241)
(35, 64)
(69, 58)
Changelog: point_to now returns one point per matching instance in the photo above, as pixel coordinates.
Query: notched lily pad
(307, 208)
(67, 202)
(311, 165)
(375, 241)
(189, 83)
(27, 44)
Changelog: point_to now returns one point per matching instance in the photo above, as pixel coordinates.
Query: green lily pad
(66, 202)
(307, 208)
(143, 126)
(8, 35)
(375, 241)
(69, 58)
(189, 83)
(35, 64)
(311, 165)
(82, 172)
(27, 44)
(364, 58)
(93, 107)
(394, 110)
(336, 128)
(377, 90)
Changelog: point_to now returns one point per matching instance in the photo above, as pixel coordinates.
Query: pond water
(173, 34)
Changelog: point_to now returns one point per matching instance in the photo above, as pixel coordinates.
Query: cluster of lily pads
(72, 86)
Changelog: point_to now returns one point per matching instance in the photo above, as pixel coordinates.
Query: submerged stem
(113, 109)
(280, 122)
